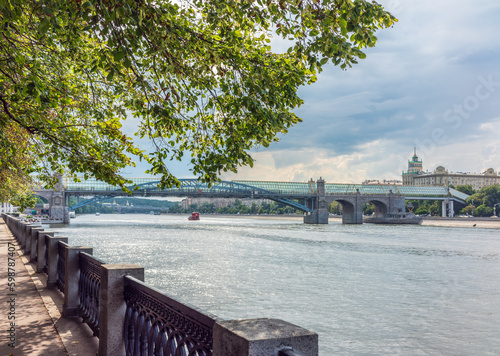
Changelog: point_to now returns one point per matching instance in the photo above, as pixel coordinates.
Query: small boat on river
(194, 216)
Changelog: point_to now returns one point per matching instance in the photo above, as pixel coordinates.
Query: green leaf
(44, 25)
(110, 75)
(119, 55)
(48, 10)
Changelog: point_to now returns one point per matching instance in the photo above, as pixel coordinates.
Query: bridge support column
(352, 213)
(352, 218)
(320, 208)
(397, 203)
(316, 217)
(352, 210)
(58, 209)
(447, 208)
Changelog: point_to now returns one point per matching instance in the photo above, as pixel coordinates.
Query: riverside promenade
(30, 313)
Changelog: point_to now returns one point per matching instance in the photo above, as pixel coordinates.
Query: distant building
(441, 177)
(382, 182)
(415, 168)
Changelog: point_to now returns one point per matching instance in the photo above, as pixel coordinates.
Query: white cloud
(369, 161)
(491, 127)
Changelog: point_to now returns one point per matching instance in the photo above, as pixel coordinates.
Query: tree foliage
(24, 201)
(200, 77)
(237, 207)
(485, 199)
(15, 158)
(467, 189)
(335, 208)
(426, 207)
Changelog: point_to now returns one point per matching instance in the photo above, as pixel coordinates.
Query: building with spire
(414, 169)
(415, 175)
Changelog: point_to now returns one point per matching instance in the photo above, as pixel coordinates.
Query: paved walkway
(30, 314)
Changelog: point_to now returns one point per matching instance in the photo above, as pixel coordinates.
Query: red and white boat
(194, 216)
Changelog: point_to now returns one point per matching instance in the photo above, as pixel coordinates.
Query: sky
(432, 82)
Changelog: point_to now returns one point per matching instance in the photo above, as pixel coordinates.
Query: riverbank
(484, 223)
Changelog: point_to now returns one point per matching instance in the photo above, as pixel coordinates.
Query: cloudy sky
(433, 81)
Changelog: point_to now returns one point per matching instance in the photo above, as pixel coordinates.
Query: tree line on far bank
(237, 208)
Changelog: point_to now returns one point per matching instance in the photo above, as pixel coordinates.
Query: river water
(365, 289)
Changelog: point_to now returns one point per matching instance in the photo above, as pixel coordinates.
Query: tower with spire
(414, 169)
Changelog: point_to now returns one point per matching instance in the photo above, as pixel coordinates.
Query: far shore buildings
(415, 175)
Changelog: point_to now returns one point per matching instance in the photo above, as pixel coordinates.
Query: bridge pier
(447, 208)
(57, 202)
(352, 214)
(316, 217)
(352, 210)
(320, 205)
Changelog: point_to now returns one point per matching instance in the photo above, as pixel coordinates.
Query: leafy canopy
(200, 77)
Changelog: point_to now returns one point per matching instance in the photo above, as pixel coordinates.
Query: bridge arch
(351, 212)
(44, 195)
(348, 211)
(380, 208)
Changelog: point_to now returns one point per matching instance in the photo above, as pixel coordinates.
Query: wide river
(365, 289)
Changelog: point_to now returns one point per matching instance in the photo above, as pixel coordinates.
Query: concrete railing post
(42, 248)
(262, 337)
(71, 304)
(19, 230)
(19, 227)
(13, 224)
(25, 241)
(34, 243)
(112, 306)
(53, 255)
(20, 237)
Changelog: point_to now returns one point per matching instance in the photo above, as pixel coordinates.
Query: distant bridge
(311, 197)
